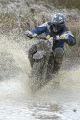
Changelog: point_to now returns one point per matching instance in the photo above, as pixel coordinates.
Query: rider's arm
(68, 38)
(41, 29)
(44, 28)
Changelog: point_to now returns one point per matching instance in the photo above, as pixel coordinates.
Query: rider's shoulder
(44, 24)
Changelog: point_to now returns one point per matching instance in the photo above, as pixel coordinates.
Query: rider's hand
(64, 36)
(49, 38)
(30, 34)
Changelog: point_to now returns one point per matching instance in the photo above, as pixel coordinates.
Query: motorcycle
(45, 61)
(43, 65)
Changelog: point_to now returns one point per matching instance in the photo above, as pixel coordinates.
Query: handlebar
(41, 37)
(30, 35)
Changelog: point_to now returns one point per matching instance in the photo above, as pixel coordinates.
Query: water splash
(14, 68)
(53, 101)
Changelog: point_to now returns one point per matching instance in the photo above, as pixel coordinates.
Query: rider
(60, 33)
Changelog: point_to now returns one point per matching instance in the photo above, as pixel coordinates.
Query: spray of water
(14, 67)
(63, 88)
(15, 70)
(59, 95)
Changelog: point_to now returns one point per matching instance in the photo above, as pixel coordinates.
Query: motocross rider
(56, 29)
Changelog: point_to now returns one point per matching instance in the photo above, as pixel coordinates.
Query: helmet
(58, 22)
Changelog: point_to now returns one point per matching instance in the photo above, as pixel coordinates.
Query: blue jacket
(45, 28)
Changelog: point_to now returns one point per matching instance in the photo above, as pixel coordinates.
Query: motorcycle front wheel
(36, 78)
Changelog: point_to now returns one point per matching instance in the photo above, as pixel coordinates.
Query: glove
(30, 34)
(49, 38)
(64, 36)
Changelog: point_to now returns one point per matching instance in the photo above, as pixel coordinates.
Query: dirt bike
(43, 65)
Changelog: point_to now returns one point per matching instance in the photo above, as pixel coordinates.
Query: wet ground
(55, 101)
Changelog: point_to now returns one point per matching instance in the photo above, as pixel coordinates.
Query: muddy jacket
(46, 28)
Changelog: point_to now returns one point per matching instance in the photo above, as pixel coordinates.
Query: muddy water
(59, 100)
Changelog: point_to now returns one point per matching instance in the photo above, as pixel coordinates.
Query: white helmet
(58, 22)
(58, 18)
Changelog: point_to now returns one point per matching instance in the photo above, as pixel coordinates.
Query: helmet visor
(56, 28)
